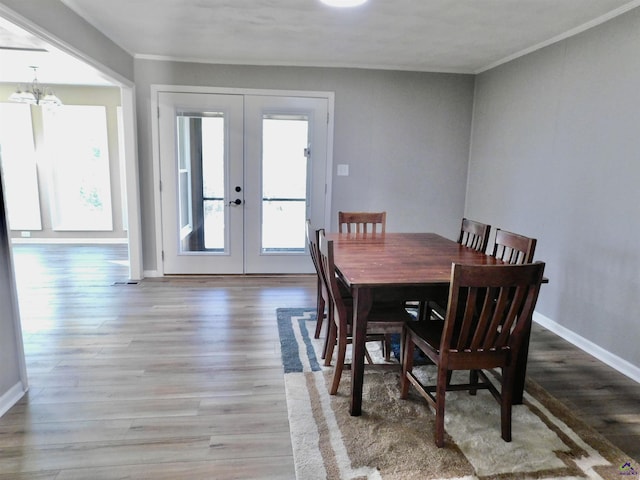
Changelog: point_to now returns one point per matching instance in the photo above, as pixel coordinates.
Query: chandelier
(35, 94)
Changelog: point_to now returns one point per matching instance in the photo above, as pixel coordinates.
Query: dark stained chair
(474, 235)
(383, 319)
(513, 248)
(323, 298)
(487, 322)
(362, 222)
(325, 303)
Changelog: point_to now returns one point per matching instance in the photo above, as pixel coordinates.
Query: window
(18, 156)
(76, 139)
(285, 140)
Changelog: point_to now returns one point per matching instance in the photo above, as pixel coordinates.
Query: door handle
(237, 201)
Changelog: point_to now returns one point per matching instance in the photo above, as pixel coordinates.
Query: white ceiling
(459, 36)
(19, 50)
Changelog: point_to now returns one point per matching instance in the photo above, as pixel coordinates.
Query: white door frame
(155, 140)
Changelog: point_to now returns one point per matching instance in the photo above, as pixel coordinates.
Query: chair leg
(506, 402)
(337, 372)
(326, 337)
(473, 380)
(386, 347)
(424, 310)
(367, 356)
(407, 362)
(319, 315)
(330, 343)
(441, 390)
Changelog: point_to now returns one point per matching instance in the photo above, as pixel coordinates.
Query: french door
(240, 174)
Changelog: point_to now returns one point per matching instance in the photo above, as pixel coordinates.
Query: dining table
(403, 267)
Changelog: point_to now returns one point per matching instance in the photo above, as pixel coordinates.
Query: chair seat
(381, 312)
(384, 319)
(430, 331)
(385, 314)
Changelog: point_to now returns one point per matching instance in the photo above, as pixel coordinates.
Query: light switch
(343, 170)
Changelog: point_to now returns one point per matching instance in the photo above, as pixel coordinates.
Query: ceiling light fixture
(343, 3)
(35, 94)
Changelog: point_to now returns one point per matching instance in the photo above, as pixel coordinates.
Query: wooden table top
(400, 259)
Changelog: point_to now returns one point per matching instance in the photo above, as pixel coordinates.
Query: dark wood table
(402, 266)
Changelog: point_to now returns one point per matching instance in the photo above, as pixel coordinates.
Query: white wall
(13, 381)
(555, 154)
(404, 136)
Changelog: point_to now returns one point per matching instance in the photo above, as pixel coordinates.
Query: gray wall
(403, 134)
(555, 154)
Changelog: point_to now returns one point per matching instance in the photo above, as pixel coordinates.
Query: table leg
(362, 300)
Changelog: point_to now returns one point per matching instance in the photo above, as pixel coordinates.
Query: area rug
(393, 438)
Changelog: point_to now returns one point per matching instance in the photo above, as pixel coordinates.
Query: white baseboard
(10, 398)
(152, 274)
(70, 241)
(621, 365)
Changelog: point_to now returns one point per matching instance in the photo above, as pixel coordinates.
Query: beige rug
(393, 438)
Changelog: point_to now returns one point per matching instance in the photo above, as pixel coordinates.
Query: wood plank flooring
(181, 377)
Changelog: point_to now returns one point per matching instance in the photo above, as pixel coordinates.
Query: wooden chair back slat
(513, 248)
(362, 222)
(474, 234)
(488, 312)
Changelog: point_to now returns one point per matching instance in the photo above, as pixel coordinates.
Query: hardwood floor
(182, 378)
(602, 397)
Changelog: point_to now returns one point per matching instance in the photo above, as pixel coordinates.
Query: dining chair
(325, 303)
(383, 319)
(322, 295)
(489, 313)
(513, 248)
(362, 222)
(474, 234)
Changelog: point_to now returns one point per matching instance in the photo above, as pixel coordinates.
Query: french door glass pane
(201, 182)
(284, 182)
(213, 182)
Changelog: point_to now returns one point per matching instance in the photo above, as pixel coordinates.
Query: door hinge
(158, 111)
(327, 118)
(162, 255)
